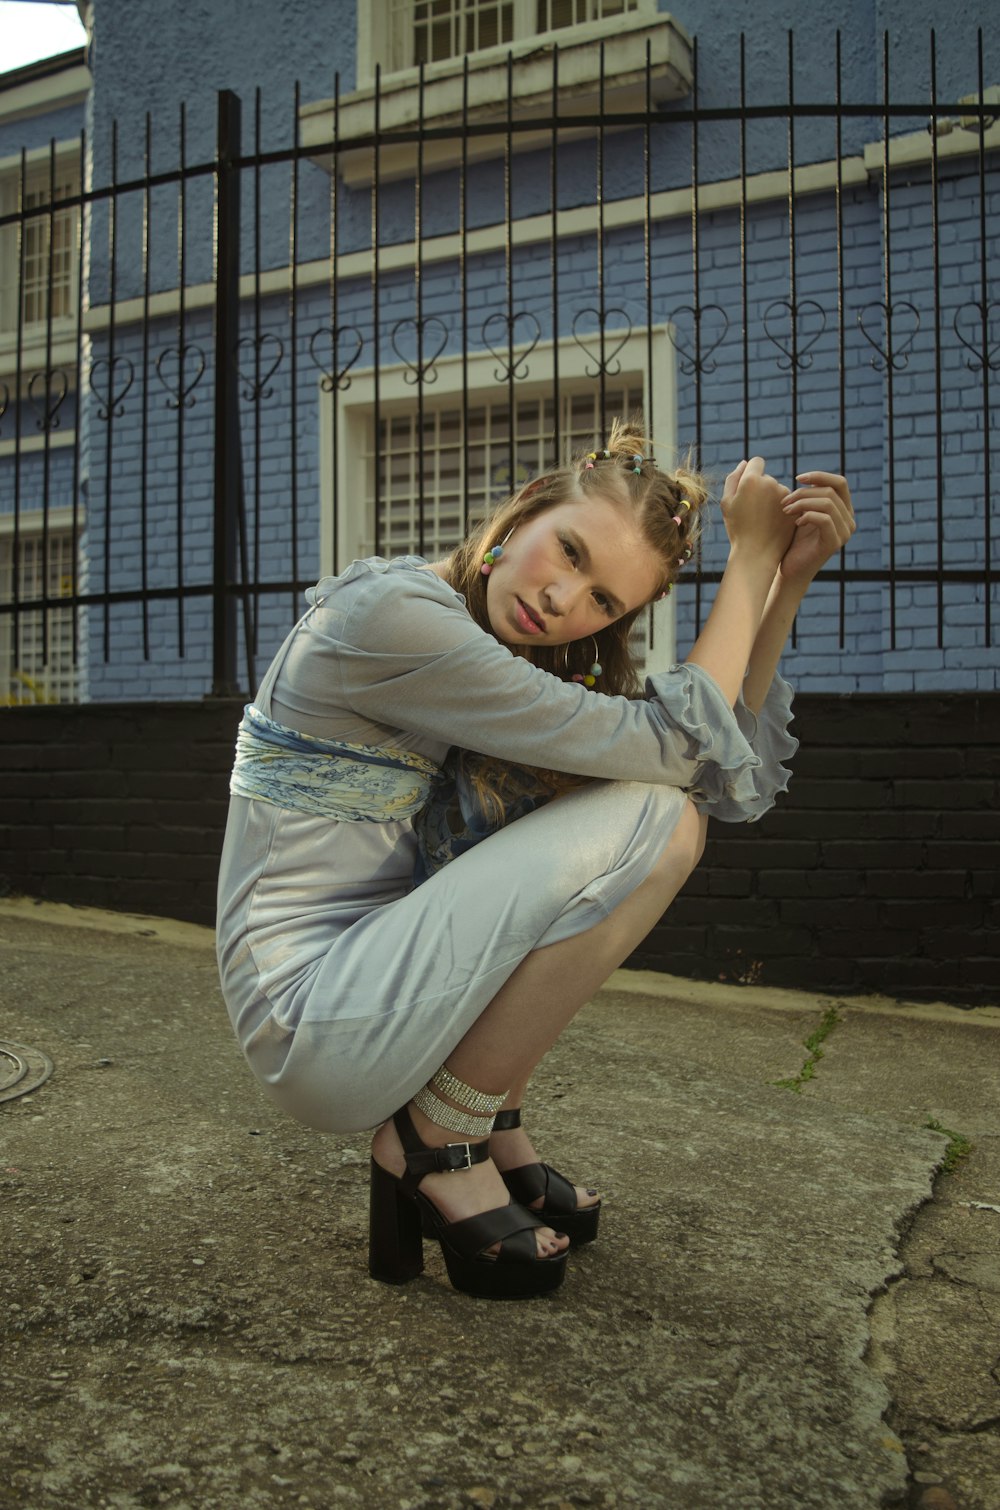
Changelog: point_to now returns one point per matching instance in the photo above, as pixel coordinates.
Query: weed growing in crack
(814, 1043)
(959, 1147)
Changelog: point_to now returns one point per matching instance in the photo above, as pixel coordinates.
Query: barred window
(32, 671)
(43, 260)
(429, 31)
(440, 465)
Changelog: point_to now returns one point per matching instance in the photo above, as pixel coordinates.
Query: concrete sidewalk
(790, 1304)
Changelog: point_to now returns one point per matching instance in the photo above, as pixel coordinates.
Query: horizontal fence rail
(221, 377)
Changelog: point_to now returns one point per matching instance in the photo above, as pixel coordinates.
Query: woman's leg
(524, 1019)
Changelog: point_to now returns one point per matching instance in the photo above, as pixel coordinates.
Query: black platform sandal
(559, 1208)
(401, 1215)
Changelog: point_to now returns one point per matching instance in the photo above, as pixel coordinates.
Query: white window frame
(384, 36)
(37, 179)
(354, 414)
(620, 41)
(31, 525)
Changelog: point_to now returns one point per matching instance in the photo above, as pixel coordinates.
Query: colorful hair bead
(684, 503)
(491, 558)
(638, 463)
(678, 520)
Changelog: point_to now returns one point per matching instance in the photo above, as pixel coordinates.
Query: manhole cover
(21, 1069)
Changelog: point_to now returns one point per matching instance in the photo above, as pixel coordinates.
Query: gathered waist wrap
(352, 783)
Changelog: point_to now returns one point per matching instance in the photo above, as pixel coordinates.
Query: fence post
(227, 417)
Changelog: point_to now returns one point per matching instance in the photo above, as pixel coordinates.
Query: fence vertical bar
(890, 358)
(334, 316)
(418, 279)
(984, 310)
(109, 433)
(144, 443)
(293, 343)
(647, 270)
(258, 397)
(938, 374)
(227, 419)
(508, 212)
(463, 283)
(744, 273)
(181, 355)
(75, 541)
(49, 374)
(15, 574)
(841, 333)
(601, 308)
(696, 302)
(557, 456)
(376, 334)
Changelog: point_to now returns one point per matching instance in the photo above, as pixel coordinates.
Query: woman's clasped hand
(800, 530)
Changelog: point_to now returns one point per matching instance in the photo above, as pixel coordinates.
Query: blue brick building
(451, 278)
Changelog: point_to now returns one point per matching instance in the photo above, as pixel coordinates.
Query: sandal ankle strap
(507, 1121)
(452, 1157)
(421, 1160)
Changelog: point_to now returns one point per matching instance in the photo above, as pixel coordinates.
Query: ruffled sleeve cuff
(739, 755)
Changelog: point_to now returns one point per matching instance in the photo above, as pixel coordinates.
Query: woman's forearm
(775, 626)
(729, 638)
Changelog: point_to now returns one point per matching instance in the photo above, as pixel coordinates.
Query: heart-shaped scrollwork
(696, 332)
(513, 361)
(983, 326)
(794, 329)
(900, 323)
(47, 390)
(331, 362)
(110, 379)
(603, 358)
(171, 369)
(422, 369)
(255, 382)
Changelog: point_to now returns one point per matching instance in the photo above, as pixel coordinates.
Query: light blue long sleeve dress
(348, 985)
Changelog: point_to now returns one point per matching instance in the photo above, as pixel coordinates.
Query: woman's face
(568, 573)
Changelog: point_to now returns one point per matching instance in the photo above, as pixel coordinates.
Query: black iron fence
(221, 376)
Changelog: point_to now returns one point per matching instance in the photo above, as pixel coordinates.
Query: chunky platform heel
(401, 1215)
(559, 1208)
(395, 1245)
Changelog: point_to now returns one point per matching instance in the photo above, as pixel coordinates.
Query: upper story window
(428, 31)
(401, 34)
(38, 249)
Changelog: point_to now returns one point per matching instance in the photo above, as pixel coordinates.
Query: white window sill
(624, 41)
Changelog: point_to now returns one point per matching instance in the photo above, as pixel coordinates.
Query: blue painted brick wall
(881, 642)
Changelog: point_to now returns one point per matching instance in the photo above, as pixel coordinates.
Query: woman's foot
(513, 1149)
(477, 1190)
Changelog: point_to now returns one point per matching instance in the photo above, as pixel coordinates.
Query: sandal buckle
(455, 1151)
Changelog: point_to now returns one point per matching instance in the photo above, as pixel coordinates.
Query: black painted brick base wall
(876, 872)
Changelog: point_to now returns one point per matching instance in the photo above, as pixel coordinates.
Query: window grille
(46, 235)
(428, 31)
(489, 482)
(29, 675)
(489, 479)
